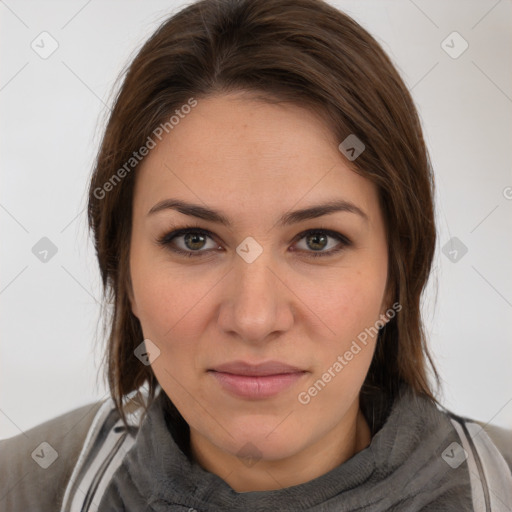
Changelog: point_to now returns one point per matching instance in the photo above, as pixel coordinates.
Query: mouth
(256, 381)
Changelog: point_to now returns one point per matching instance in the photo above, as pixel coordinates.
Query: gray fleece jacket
(410, 465)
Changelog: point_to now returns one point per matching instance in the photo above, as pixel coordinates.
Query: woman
(262, 210)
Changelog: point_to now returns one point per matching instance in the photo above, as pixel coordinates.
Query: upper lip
(256, 370)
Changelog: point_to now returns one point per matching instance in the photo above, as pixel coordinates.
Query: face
(293, 291)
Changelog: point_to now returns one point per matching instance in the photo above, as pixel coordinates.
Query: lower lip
(256, 387)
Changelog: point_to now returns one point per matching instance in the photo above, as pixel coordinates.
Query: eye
(318, 239)
(192, 242)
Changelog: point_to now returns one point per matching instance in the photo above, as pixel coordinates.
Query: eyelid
(168, 237)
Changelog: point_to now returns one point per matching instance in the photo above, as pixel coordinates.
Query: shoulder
(501, 438)
(36, 465)
(487, 451)
(493, 441)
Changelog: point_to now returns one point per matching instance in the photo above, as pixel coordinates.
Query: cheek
(169, 310)
(175, 326)
(342, 360)
(171, 317)
(167, 297)
(349, 308)
(346, 305)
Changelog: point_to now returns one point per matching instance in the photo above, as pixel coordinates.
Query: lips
(261, 369)
(256, 381)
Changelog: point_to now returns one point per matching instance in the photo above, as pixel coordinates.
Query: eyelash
(166, 241)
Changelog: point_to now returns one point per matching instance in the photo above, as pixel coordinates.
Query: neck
(346, 439)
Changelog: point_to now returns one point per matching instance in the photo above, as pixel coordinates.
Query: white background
(51, 114)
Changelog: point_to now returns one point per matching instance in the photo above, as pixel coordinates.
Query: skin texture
(254, 162)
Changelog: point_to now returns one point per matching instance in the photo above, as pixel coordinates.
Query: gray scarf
(401, 470)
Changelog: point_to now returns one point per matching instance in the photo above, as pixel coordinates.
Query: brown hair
(301, 51)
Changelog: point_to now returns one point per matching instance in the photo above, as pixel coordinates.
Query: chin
(261, 438)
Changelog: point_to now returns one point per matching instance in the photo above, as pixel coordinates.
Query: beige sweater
(25, 485)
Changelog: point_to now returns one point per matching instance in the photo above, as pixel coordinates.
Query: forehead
(251, 156)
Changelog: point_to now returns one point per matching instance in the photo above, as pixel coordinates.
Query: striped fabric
(104, 448)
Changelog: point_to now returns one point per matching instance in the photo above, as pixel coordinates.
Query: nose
(257, 304)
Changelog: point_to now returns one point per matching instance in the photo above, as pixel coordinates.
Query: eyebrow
(312, 212)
